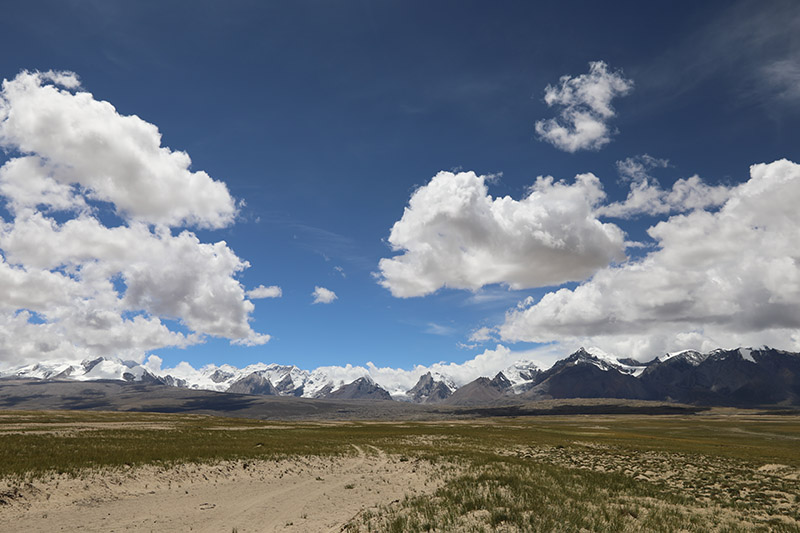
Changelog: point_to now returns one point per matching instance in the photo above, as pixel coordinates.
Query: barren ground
(302, 494)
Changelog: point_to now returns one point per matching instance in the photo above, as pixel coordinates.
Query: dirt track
(305, 494)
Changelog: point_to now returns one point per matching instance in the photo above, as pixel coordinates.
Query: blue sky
(325, 117)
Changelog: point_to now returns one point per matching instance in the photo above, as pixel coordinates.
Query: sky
(397, 183)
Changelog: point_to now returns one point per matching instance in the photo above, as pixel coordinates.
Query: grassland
(722, 470)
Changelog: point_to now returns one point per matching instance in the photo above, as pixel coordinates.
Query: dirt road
(305, 494)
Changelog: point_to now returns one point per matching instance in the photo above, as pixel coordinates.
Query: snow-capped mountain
(522, 375)
(588, 375)
(605, 361)
(88, 370)
(691, 357)
(582, 357)
(736, 377)
(429, 389)
(288, 380)
(361, 389)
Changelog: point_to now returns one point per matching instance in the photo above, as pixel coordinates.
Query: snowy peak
(740, 354)
(522, 375)
(220, 376)
(361, 389)
(522, 371)
(582, 357)
(87, 370)
(45, 371)
(604, 361)
(287, 380)
(429, 390)
(695, 358)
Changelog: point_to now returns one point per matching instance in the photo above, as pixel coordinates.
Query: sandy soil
(303, 494)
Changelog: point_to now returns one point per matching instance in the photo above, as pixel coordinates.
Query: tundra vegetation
(720, 470)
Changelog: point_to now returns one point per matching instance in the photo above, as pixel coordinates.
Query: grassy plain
(722, 470)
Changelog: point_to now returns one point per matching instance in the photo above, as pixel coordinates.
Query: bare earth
(302, 494)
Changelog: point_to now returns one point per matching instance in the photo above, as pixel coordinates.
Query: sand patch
(301, 494)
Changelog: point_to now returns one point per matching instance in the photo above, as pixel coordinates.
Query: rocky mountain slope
(430, 390)
(482, 391)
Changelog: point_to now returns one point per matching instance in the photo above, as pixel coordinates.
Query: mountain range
(740, 377)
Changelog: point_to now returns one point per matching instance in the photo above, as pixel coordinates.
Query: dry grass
(724, 471)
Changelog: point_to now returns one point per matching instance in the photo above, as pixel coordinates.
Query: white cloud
(323, 296)
(646, 195)
(724, 278)
(481, 334)
(116, 158)
(454, 234)
(648, 198)
(64, 78)
(585, 103)
(261, 291)
(72, 287)
(82, 333)
(26, 182)
(638, 168)
(438, 329)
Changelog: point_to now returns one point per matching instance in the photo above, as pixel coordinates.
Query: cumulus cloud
(63, 78)
(261, 291)
(323, 296)
(84, 142)
(72, 286)
(169, 276)
(719, 278)
(454, 234)
(585, 103)
(647, 197)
